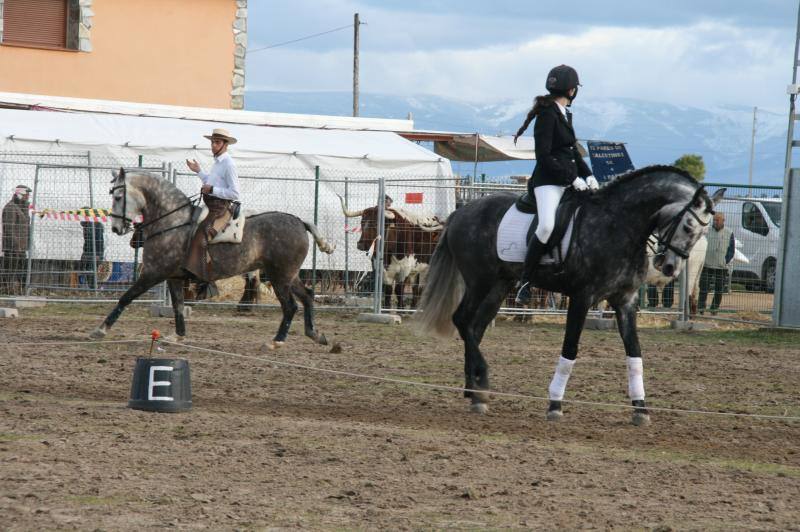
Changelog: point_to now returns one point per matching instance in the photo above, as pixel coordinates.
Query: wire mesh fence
(57, 242)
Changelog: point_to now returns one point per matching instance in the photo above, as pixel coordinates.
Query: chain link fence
(60, 245)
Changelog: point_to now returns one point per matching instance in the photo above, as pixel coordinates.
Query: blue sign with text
(608, 159)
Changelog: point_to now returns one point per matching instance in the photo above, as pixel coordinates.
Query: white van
(756, 224)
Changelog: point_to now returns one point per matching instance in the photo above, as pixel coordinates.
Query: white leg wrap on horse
(560, 378)
(635, 379)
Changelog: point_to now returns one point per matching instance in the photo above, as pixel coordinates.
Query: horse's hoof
(97, 334)
(554, 415)
(272, 346)
(479, 408)
(640, 419)
(321, 340)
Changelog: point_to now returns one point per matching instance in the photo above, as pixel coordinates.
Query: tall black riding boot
(536, 250)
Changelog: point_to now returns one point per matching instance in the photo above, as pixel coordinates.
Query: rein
(664, 240)
(192, 200)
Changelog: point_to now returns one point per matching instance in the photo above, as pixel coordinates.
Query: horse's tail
(444, 289)
(323, 244)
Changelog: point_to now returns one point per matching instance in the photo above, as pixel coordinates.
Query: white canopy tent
(276, 166)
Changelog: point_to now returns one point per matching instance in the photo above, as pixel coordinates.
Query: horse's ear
(122, 172)
(115, 175)
(717, 196)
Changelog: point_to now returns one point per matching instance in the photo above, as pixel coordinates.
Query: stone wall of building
(240, 40)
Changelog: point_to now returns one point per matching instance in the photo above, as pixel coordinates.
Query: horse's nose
(115, 230)
(668, 270)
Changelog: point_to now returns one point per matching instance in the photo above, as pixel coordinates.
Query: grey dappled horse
(273, 241)
(607, 259)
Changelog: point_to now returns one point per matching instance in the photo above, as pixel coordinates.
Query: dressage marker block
(681, 325)
(161, 385)
(386, 319)
(160, 311)
(600, 324)
(9, 313)
(28, 302)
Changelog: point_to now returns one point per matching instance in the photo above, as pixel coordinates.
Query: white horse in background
(697, 257)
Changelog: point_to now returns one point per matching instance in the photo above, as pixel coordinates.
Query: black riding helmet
(561, 80)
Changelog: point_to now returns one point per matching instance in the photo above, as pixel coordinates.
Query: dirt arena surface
(270, 447)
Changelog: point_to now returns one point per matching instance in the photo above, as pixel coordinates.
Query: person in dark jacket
(558, 163)
(93, 247)
(16, 232)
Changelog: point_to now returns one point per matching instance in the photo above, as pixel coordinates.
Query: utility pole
(752, 155)
(356, 24)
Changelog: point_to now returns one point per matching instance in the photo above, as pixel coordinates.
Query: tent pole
(474, 169)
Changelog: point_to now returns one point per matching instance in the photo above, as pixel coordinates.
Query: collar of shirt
(562, 109)
(222, 157)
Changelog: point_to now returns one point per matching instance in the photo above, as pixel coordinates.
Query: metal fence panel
(54, 264)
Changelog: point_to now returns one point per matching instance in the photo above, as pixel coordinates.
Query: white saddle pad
(513, 230)
(233, 231)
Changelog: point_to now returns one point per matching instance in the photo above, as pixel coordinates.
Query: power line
(300, 39)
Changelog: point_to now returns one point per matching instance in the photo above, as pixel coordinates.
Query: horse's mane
(167, 186)
(630, 176)
(624, 179)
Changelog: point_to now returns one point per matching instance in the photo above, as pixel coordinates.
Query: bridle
(664, 238)
(128, 223)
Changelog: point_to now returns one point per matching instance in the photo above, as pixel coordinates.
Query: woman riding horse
(558, 163)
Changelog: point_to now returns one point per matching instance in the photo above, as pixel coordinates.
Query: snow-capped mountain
(655, 132)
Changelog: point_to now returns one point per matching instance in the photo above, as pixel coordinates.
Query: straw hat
(221, 134)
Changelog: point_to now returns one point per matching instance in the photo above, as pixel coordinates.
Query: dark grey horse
(607, 259)
(273, 241)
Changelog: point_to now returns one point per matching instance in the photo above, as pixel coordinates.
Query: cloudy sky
(701, 52)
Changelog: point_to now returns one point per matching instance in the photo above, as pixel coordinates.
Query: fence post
(136, 250)
(378, 257)
(316, 217)
(30, 234)
(93, 226)
(685, 293)
(346, 241)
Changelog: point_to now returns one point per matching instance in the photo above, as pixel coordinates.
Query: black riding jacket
(558, 161)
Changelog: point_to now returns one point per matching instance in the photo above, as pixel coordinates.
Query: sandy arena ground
(267, 446)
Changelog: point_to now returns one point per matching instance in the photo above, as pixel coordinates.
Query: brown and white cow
(409, 241)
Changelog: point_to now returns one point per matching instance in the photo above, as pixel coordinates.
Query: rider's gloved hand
(579, 184)
(592, 183)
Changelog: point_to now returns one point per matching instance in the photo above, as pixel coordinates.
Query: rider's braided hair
(539, 103)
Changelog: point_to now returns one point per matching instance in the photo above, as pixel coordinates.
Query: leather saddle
(569, 203)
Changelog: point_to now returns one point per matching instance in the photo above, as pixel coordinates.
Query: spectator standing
(93, 247)
(16, 233)
(719, 254)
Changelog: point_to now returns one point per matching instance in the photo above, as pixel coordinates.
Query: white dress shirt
(222, 178)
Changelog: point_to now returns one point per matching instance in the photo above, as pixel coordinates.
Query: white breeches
(547, 199)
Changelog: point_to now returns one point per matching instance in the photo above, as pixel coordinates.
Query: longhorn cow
(408, 243)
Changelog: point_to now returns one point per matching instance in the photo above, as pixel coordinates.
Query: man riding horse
(220, 189)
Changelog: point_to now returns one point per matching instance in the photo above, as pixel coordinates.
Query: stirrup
(523, 294)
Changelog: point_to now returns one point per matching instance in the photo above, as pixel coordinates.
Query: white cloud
(707, 63)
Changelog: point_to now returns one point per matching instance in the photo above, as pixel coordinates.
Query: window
(41, 23)
(753, 220)
(773, 211)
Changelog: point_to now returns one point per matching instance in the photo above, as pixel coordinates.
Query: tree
(692, 163)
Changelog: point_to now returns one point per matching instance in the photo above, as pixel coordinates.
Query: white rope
(488, 392)
(82, 342)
